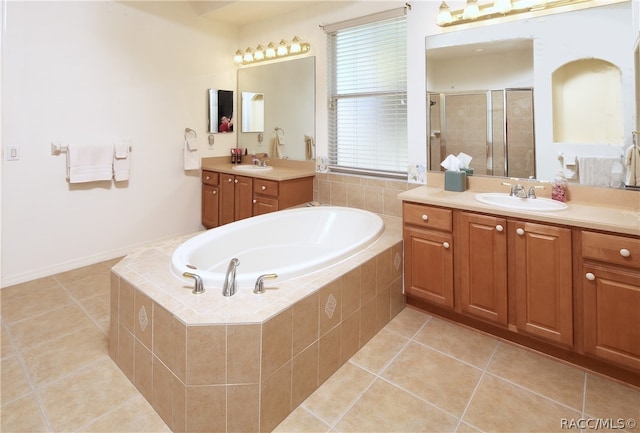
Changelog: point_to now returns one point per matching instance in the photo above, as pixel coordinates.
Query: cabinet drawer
(427, 216)
(265, 187)
(614, 249)
(209, 177)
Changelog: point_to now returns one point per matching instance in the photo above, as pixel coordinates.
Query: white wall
(94, 72)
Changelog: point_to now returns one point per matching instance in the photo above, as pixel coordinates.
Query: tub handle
(259, 288)
(199, 287)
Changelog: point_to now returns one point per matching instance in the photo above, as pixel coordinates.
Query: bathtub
(290, 243)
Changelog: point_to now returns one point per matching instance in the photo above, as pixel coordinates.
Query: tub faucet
(259, 287)
(229, 287)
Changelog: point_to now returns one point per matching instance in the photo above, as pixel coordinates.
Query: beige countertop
(282, 169)
(589, 215)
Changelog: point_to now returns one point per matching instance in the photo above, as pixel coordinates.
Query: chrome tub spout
(229, 286)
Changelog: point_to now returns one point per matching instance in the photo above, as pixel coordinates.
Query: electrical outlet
(13, 153)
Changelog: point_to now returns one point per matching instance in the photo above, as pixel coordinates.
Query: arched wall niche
(587, 103)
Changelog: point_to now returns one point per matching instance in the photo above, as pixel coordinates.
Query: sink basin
(251, 168)
(505, 201)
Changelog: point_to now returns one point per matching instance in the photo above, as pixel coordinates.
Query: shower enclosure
(495, 127)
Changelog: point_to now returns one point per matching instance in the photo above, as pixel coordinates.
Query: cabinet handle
(230, 180)
(425, 217)
(236, 181)
(520, 231)
(625, 252)
(264, 188)
(255, 201)
(590, 276)
(446, 245)
(208, 178)
(214, 192)
(499, 228)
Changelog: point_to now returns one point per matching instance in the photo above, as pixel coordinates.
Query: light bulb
(295, 45)
(502, 6)
(271, 51)
(283, 49)
(259, 53)
(471, 10)
(444, 15)
(237, 59)
(248, 55)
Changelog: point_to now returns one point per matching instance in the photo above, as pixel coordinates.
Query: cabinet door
(481, 250)
(612, 314)
(227, 198)
(262, 205)
(210, 206)
(428, 265)
(543, 280)
(243, 205)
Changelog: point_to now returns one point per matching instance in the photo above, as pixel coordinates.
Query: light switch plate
(13, 153)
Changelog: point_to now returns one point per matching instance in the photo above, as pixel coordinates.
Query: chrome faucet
(259, 287)
(532, 191)
(519, 191)
(260, 159)
(199, 287)
(229, 287)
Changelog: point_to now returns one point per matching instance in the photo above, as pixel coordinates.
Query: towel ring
(189, 131)
(279, 129)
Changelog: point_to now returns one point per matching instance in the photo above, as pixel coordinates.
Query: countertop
(282, 169)
(617, 219)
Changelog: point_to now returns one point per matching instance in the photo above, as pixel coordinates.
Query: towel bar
(57, 148)
(189, 131)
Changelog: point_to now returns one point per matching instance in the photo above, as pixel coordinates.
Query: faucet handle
(259, 288)
(199, 287)
(532, 191)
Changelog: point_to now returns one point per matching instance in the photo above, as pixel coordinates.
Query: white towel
(308, 140)
(275, 151)
(121, 161)
(280, 140)
(632, 164)
(191, 160)
(597, 170)
(89, 163)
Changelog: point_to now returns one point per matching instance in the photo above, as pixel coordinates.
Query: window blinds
(367, 95)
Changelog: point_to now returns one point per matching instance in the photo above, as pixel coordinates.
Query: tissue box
(455, 180)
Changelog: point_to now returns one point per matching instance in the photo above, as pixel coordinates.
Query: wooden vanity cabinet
(270, 195)
(541, 267)
(611, 297)
(481, 252)
(428, 253)
(210, 199)
(236, 198)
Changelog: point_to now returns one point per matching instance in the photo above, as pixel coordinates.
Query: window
(367, 62)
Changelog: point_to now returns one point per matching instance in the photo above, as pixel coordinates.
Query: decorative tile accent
(143, 318)
(330, 307)
(397, 261)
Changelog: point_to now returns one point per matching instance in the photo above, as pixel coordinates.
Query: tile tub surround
(210, 363)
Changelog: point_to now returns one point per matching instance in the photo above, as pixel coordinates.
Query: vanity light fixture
(283, 49)
(498, 8)
(258, 54)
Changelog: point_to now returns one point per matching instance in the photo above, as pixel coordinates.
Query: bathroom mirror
(252, 112)
(288, 93)
(523, 55)
(220, 110)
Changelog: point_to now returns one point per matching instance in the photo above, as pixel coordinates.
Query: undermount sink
(251, 167)
(506, 201)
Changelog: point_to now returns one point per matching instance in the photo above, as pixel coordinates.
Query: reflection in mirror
(517, 54)
(288, 89)
(220, 111)
(252, 112)
(494, 127)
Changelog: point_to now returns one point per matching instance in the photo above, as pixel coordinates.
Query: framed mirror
(525, 55)
(252, 112)
(220, 111)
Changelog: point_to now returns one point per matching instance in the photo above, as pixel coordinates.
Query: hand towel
(275, 151)
(308, 140)
(121, 162)
(191, 160)
(280, 137)
(597, 170)
(89, 163)
(632, 165)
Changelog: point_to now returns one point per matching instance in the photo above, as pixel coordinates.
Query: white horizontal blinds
(368, 92)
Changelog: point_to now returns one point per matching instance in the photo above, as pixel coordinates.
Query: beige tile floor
(419, 374)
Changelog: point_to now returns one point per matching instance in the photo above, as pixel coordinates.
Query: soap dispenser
(559, 189)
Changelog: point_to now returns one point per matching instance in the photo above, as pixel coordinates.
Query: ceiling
(243, 12)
